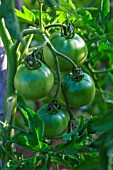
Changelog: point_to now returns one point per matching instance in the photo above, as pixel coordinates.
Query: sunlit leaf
(26, 16)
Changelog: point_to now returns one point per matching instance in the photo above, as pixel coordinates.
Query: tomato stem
(10, 90)
(68, 108)
(40, 16)
(23, 48)
(54, 25)
(58, 74)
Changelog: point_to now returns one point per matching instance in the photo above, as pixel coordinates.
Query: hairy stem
(40, 17)
(10, 90)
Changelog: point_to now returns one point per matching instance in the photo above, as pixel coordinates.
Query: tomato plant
(46, 52)
(74, 47)
(55, 119)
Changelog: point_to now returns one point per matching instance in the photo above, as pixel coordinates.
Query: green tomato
(78, 93)
(74, 48)
(55, 121)
(33, 84)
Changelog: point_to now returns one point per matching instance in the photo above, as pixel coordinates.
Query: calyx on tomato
(55, 119)
(71, 45)
(79, 88)
(68, 32)
(32, 62)
(33, 80)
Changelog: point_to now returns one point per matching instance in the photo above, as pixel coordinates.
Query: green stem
(58, 74)
(102, 71)
(68, 108)
(23, 48)
(10, 90)
(31, 31)
(90, 59)
(7, 45)
(2, 123)
(57, 166)
(54, 25)
(40, 17)
(26, 46)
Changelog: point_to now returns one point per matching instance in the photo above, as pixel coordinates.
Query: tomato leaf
(91, 122)
(68, 136)
(11, 165)
(21, 101)
(104, 13)
(89, 164)
(61, 161)
(30, 163)
(90, 24)
(10, 18)
(26, 16)
(51, 3)
(24, 114)
(75, 144)
(105, 124)
(25, 140)
(68, 7)
(35, 125)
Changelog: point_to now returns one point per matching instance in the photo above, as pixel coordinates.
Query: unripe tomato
(75, 48)
(33, 84)
(55, 120)
(78, 93)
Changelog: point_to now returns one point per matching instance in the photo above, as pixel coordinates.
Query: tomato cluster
(35, 80)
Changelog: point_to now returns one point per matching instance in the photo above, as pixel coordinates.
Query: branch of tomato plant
(102, 71)
(91, 58)
(8, 154)
(2, 123)
(37, 47)
(57, 69)
(54, 25)
(10, 90)
(69, 110)
(40, 3)
(24, 48)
